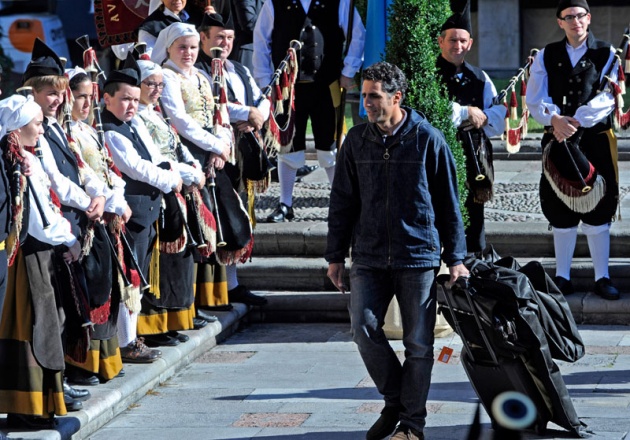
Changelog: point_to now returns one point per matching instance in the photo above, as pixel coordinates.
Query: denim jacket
(395, 200)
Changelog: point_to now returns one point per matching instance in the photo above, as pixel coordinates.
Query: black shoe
(605, 289)
(305, 170)
(199, 323)
(72, 404)
(80, 377)
(241, 294)
(386, 423)
(206, 316)
(74, 393)
(24, 421)
(160, 340)
(179, 336)
(138, 353)
(565, 286)
(281, 213)
(221, 308)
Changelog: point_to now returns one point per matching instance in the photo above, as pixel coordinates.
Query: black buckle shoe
(281, 213)
(386, 423)
(179, 336)
(305, 170)
(605, 289)
(74, 393)
(160, 340)
(77, 376)
(565, 286)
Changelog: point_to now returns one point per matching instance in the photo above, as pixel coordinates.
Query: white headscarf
(168, 36)
(74, 71)
(148, 68)
(16, 111)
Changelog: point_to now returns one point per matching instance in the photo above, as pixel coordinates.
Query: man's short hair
(39, 82)
(392, 79)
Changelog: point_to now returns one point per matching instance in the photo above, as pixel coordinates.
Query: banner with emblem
(117, 21)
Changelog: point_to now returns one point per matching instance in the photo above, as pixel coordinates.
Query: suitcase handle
(464, 284)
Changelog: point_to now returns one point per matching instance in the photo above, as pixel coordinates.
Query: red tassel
(621, 79)
(134, 278)
(100, 315)
(628, 60)
(513, 105)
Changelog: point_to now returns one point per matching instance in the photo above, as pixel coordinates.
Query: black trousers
(314, 100)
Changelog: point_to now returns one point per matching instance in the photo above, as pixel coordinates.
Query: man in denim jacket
(394, 200)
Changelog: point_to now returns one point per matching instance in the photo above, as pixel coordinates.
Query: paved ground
(307, 382)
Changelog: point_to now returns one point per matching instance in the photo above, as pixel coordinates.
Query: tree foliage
(414, 26)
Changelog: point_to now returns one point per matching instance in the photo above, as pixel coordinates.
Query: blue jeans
(372, 289)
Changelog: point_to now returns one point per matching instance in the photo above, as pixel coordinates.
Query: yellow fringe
(154, 268)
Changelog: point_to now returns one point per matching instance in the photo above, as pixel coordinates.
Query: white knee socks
(564, 246)
(598, 238)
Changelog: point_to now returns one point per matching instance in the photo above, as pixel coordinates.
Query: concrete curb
(110, 399)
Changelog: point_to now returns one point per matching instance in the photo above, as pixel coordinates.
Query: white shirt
(541, 105)
(185, 125)
(59, 231)
(135, 167)
(495, 113)
(263, 66)
(69, 193)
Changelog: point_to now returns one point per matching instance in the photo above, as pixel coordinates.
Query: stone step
(295, 274)
(284, 306)
(526, 239)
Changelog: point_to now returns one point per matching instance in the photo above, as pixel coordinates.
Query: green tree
(414, 26)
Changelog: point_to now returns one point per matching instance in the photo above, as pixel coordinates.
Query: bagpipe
(280, 127)
(618, 89)
(513, 136)
(234, 228)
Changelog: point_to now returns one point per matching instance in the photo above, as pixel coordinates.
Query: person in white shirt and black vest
(565, 94)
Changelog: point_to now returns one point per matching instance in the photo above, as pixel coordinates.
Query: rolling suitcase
(502, 353)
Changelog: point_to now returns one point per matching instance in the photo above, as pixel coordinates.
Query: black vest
(157, 22)
(467, 90)
(249, 92)
(67, 164)
(320, 56)
(143, 199)
(578, 84)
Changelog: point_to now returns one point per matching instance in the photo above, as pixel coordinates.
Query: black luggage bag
(505, 348)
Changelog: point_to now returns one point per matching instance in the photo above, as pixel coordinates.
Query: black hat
(129, 74)
(216, 20)
(44, 61)
(139, 51)
(459, 20)
(563, 4)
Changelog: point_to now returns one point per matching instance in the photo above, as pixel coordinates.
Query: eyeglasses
(568, 18)
(154, 85)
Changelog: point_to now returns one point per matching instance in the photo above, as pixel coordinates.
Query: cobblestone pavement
(513, 202)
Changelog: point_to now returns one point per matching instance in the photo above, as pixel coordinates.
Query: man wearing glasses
(564, 94)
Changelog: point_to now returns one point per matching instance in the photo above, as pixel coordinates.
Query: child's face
(124, 103)
(49, 99)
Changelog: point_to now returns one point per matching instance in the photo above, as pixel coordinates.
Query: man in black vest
(564, 95)
(474, 115)
(246, 118)
(133, 152)
(322, 27)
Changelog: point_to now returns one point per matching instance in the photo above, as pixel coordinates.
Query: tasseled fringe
(251, 201)
(280, 139)
(621, 79)
(154, 267)
(17, 214)
(233, 257)
(207, 223)
(524, 94)
(573, 197)
(131, 295)
(88, 240)
(627, 66)
(100, 315)
(513, 140)
(177, 246)
(285, 86)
